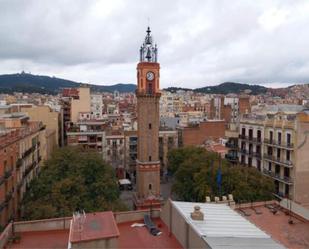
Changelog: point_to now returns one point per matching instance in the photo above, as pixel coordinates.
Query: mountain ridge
(29, 83)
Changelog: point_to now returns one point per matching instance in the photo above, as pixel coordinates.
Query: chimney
(197, 214)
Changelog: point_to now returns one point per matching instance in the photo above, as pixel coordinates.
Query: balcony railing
(279, 143)
(2, 180)
(277, 176)
(272, 158)
(232, 158)
(8, 196)
(19, 163)
(8, 173)
(231, 145)
(250, 139)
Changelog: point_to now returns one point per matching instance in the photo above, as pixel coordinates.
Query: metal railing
(285, 179)
(272, 158)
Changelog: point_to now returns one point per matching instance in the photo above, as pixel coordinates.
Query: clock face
(150, 76)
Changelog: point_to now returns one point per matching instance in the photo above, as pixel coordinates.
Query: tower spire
(148, 51)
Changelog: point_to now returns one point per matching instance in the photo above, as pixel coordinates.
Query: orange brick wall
(206, 130)
(244, 105)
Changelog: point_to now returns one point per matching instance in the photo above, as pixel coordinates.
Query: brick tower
(148, 96)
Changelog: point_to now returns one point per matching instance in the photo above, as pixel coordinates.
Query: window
(258, 164)
(288, 139)
(149, 186)
(279, 137)
(288, 155)
(259, 136)
(271, 134)
(149, 158)
(269, 166)
(278, 153)
(149, 126)
(250, 134)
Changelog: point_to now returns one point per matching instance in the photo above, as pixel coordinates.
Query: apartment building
(96, 106)
(23, 147)
(277, 145)
(47, 116)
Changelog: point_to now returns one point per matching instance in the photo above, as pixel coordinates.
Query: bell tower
(148, 96)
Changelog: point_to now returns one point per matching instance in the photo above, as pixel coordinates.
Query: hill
(29, 83)
(232, 87)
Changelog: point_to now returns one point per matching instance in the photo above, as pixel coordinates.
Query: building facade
(277, 145)
(23, 148)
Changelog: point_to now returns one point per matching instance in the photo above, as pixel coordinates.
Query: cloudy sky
(201, 42)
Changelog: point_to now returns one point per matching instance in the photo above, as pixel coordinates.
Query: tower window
(149, 158)
(149, 186)
(149, 126)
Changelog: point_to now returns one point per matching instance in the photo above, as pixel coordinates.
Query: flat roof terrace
(129, 237)
(277, 225)
(140, 237)
(56, 239)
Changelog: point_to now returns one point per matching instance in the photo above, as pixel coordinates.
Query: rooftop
(225, 228)
(93, 226)
(96, 226)
(139, 237)
(57, 239)
(294, 235)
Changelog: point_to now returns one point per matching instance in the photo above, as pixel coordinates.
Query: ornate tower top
(148, 52)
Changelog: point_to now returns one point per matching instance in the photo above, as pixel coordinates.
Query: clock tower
(148, 96)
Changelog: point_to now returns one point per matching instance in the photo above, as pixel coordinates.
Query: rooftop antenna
(79, 219)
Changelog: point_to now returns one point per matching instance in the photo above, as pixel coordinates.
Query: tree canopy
(198, 173)
(72, 179)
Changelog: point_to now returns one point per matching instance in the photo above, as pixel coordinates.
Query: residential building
(277, 145)
(23, 148)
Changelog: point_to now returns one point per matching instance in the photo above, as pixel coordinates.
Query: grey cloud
(200, 42)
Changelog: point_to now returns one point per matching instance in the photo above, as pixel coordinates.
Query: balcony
(241, 136)
(19, 163)
(19, 185)
(274, 159)
(8, 173)
(2, 180)
(231, 145)
(257, 140)
(231, 157)
(276, 176)
(8, 196)
(279, 144)
(257, 154)
(243, 151)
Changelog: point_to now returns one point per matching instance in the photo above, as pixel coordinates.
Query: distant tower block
(148, 96)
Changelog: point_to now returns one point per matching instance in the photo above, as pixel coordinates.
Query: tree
(196, 170)
(73, 179)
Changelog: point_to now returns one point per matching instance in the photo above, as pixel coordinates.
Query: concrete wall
(43, 225)
(102, 243)
(183, 231)
(5, 235)
(296, 208)
(46, 116)
(80, 105)
(301, 169)
(121, 217)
